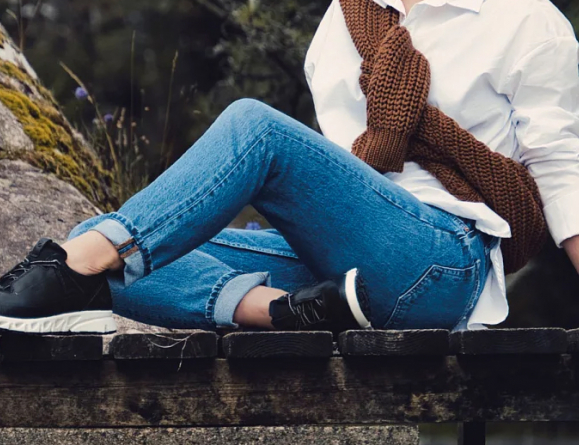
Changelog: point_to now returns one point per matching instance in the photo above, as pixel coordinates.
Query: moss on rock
(15, 72)
(55, 148)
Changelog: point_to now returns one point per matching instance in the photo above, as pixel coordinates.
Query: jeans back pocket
(439, 299)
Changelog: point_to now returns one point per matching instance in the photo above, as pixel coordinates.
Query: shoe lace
(308, 312)
(13, 274)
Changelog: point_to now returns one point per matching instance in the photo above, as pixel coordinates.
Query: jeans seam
(253, 248)
(188, 206)
(420, 282)
(470, 305)
(215, 292)
(460, 224)
(359, 179)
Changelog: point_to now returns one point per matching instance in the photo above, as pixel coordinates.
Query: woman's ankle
(92, 253)
(253, 310)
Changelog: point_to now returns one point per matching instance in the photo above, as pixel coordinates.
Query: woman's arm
(544, 93)
(571, 246)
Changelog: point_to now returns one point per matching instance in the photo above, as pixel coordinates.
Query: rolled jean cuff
(232, 292)
(116, 232)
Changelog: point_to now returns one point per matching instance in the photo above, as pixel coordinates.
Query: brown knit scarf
(403, 127)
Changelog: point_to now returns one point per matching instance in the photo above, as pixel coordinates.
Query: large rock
(50, 179)
(35, 204)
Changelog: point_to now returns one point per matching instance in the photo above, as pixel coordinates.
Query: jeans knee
(245, 105)
(248, 112)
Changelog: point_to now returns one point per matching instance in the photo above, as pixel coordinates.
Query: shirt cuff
(563, 217)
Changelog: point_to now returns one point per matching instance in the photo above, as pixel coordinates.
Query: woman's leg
(183, 294)
(335, 212)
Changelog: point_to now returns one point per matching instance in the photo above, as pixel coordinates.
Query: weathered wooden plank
(573, 341)
(196, 344)
(509, 341)
(278, 344)
(472, 433)
(24, 347)
(384, 343)
(290, 391)
(288, 435)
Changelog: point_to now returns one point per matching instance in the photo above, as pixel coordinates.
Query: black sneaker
(43, 295)
(327, 306)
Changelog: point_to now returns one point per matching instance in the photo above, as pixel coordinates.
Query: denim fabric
(424, 267)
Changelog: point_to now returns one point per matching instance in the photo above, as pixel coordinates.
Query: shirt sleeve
(544, 95)
(315, 48)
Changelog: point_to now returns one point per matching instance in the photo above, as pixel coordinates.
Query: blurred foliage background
(185, 59)
(165, 69)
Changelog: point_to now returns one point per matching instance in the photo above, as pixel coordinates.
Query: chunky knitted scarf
(403, 127)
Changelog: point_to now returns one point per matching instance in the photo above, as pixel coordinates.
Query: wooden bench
(373, 384)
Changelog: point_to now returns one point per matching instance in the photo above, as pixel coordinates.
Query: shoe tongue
(46, 248)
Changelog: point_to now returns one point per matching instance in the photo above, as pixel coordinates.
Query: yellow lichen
(15, 72)
(56, 150)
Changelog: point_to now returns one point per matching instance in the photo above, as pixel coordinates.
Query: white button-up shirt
(506, 71)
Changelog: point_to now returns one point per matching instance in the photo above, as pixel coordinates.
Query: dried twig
(168, 112)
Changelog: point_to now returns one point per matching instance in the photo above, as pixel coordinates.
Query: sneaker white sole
(352, 299)
(100, 322)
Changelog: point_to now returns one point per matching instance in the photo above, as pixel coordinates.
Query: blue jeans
(424, 267)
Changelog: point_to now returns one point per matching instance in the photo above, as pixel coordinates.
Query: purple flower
(81, 93)
(253, 225)
(108, 118)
